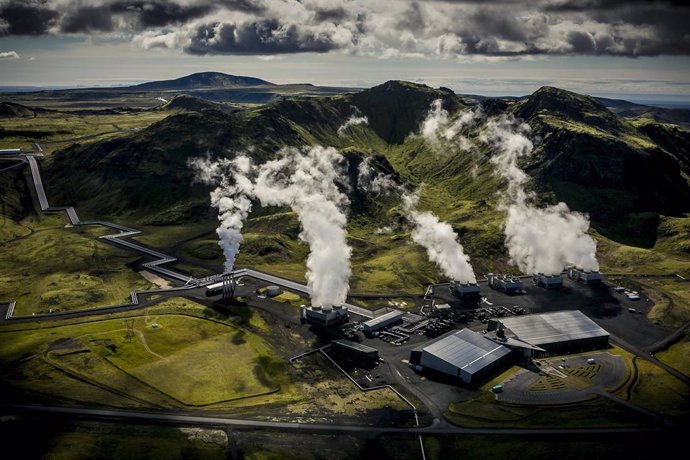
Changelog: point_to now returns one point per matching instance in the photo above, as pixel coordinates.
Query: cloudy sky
(634, 49)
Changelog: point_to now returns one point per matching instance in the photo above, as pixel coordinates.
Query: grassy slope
(76, 269)
(54, 130)
(96, 361)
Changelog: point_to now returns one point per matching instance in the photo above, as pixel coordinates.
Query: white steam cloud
(438, 238)
(441, 242)
(539, 240)
(231, 197)
(354, 120)
(307, 181)
(373, 181)
(438, 127)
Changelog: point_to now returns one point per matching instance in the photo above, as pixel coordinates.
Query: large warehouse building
(558, 332)
(464, 354)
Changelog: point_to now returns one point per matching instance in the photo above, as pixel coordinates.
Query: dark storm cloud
(160, 13)
(443, 28)
(88, 19)
(27, 17)
(330, 15)
(259, 37)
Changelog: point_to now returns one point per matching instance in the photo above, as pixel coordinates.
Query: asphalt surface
(182, 419)
(517, 389)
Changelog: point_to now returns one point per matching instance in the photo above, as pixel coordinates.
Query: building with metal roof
(355, 351)
(556, 332)
(464, 354)
(378, 323)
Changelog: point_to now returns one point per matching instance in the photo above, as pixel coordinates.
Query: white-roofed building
(556, 332)
(464, 354)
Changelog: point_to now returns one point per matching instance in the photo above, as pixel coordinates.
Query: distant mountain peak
(203, 80)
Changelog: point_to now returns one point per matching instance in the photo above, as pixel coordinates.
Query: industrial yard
(321, 294)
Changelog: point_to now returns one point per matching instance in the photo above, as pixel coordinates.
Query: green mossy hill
(12, 110)
(396, 108)
(623, 173)
(599, 162)
(184, 102)
(566, 105)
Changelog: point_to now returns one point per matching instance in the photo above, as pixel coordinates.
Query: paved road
(437, 427)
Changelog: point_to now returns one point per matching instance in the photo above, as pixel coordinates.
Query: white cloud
(9, 55)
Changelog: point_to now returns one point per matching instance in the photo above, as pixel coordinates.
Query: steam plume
(231, 197)
(438, 127)
(438, 238)
(539, 240)
(373, 181)
(354, 120)
(441, 242)
(307, 181)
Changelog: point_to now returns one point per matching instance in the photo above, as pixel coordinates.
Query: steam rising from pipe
(307, 181)
(539, 240)
(438, 238)
(231, 197)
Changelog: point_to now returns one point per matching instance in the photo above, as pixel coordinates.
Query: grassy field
(55, 130)
(90, 439)
(47, 267)
(327, 391)
(677, 355)
(181, 361)
(659, 391)
(484, 411)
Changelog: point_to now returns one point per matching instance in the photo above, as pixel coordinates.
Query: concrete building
(385, 320)
(590, 278)
(355, 351)
(506, 284)
(464, 290)
(556, 333)
(324, 316)
(465, 355)
(548, 281)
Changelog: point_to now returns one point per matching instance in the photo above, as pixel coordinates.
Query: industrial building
(556, 333)
(385, 320)
(355, 351)
(464, 290)
(590, 278)
(548, 281)
(324, 316)
(506, 284)
(465, 355)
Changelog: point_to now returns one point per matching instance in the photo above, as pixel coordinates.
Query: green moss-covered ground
(48, 267)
